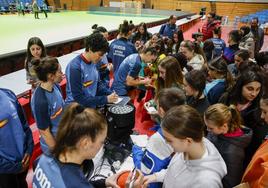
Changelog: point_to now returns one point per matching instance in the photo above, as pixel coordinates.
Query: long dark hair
(234, 95)
(37, 41)
(142, 24)
(76, 123)
(179, 33)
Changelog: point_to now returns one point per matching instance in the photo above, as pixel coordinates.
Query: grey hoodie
(202, 173)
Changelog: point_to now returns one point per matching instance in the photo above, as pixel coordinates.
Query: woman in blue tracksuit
(127, 76)
(121, 47)
(103, 66)
(16, 142)
(47, 102)
(83, 81)
(82, 132)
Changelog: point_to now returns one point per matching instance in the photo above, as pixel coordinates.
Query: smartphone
(151, 110)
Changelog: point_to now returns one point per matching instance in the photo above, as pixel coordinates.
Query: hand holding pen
(112, 97)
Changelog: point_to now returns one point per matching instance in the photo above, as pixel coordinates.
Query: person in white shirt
(196, 163)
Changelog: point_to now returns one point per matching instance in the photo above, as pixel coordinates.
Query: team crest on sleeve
(3, 123)
(57, 113)
(88, 83)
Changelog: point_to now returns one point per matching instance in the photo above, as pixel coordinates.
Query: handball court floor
(16, 30)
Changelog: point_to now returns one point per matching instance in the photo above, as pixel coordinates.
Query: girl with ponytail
(47, 102)
(230, 138)
(222, 80)
(121, 47)
(194, 84)
(100, 29)
(82, 133)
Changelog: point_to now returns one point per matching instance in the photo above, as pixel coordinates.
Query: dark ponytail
(124, 28)
(99, 29)
(219, 65)
(94, 26)
(76, 123)
(197, 80)
(45, 66)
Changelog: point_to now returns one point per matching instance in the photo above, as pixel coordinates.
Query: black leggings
(36, 15)
(13, 180)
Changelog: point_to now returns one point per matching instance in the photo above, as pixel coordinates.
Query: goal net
(131, 7)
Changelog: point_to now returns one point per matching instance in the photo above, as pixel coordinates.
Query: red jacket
(256, 173)
(207, 29)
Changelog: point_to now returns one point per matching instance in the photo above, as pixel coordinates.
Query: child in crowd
(142, 35)
(226, 132)
(157, 153)
(221, 80)
(245, 95)
(208, 49)
(169, 74)
(234, 38)
(198, 38)
(241, 60)
(197, 162)
(177, 39)
(35, 50)
(194, 83)
(194, 55)
(247, 41)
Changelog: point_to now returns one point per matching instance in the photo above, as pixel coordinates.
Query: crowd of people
(210, 96)
(22, 7)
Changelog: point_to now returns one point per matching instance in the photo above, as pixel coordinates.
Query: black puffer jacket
(232, 150)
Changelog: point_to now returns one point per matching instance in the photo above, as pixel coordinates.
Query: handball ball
(121, 180)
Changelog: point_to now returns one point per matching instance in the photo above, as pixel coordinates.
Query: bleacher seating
(5, 4)
(262, 15)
